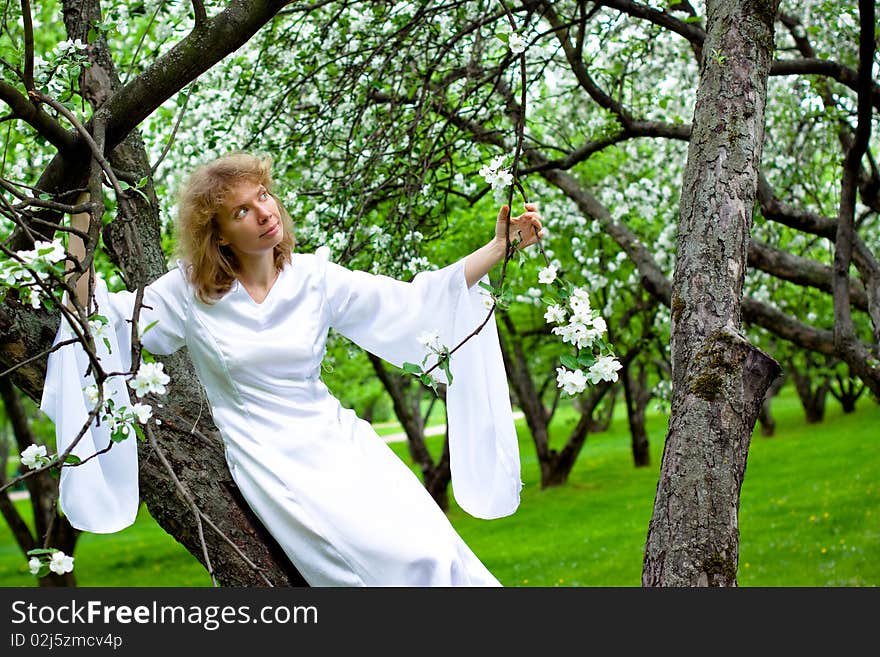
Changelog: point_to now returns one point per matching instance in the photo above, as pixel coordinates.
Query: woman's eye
(240, 213)
(264, 196)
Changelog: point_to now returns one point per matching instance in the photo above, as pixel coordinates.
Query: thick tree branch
(827, 68)
(690, 31)
(845, 339)
(207, 44)
(31, 114)
(802, 271)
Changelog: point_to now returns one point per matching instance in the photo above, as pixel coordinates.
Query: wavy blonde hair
(212, 267)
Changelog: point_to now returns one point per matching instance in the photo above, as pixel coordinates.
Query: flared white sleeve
(386, 316)
(101, 495)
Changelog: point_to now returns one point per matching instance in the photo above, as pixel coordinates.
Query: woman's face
(249, 220)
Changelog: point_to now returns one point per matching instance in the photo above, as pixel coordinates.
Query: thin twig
(173, 132)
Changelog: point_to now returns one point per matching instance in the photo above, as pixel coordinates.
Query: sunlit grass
(809, 515)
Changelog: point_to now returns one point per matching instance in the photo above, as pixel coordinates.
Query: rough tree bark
(719, 378)
(187, 435)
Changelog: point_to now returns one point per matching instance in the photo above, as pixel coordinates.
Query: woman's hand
(525, 229)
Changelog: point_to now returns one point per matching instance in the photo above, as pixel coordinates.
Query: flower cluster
(44, 560)
(430, 341)
(583, 328)
(497, 177)
(123, 420)
(150, 377)
(31, 266)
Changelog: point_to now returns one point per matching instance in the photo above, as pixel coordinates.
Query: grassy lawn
(810, 515)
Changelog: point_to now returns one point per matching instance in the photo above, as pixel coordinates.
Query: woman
(254, 317)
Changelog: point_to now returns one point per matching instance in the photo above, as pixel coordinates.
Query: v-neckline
(254, 302)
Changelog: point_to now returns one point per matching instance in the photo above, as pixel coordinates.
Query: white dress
(343, 506)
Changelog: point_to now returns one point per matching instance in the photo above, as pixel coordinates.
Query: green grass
(810, 515)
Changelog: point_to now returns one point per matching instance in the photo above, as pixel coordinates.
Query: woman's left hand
(525, 229)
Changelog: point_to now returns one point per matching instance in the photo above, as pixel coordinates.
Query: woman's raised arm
(77, 249)
(523, 229)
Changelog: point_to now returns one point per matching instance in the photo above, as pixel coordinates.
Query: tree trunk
(187, 435)
(637, 395)
(812, 399)
(847, 392)
(407, 408)
(765, 416)
(719, 379)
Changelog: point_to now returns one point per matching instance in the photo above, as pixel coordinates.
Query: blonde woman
(254, 316)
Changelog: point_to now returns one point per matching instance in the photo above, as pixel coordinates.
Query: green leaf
(586, 359)
(501, 36)
(569, 361)
(73, 459)
(107, 344)
(118, 436)
(412, 368)
(486, 286)
(136, 190)
(37, 552)
(150, 325)
(45, 197)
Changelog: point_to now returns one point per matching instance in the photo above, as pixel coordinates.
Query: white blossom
(34, 565)
(430, 339)
(98, 328)
(571, 383)
(150, 378)
(516, 43)
(143, 412)
(555, 314)
(60, 563)
(495, 176)
(547, 275)
(50, 251)
(604, 369)
(33, 456)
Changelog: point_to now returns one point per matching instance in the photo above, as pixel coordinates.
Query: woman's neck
(257, 273)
